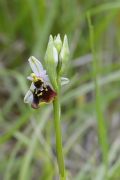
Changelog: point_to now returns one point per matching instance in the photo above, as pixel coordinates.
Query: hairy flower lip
(46, 95)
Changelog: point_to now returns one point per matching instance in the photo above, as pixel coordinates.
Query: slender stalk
(59, 149)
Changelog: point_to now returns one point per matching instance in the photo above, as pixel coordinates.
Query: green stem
(59, 150)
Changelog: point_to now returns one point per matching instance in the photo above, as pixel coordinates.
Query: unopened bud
(64, 54)
(58, 43)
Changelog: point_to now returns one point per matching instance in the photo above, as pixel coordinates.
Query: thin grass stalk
(102, 129)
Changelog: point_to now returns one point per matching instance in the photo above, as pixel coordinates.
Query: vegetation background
(90, 102)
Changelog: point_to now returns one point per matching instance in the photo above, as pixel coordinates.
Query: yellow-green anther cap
(51, 61)
(64, 54)
(58, 43)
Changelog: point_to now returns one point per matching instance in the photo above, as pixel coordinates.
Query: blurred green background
(90, 102)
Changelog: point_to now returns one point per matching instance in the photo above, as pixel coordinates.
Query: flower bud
(51, 61)
(58, 43)
(51, 52)
(64, 54)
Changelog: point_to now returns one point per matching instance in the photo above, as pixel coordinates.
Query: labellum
(42, 94)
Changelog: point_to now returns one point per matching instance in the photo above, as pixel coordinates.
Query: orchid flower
(41, 90)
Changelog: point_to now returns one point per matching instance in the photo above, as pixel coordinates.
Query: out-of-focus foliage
(27, 141)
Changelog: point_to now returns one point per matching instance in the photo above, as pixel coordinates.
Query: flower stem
(59, 149)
